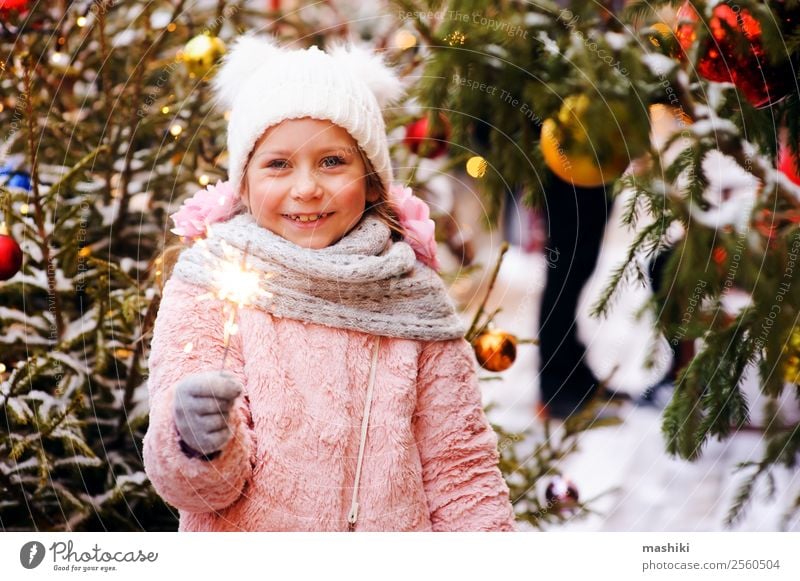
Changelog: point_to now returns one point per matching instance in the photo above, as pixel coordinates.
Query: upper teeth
(306, 217)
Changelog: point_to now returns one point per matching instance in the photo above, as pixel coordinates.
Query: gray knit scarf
(364, 282)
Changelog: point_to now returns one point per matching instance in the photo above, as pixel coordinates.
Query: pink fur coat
(430, 462)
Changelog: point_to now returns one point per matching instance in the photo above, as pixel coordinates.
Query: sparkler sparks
(238, 286)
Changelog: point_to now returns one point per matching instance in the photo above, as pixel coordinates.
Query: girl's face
(306, 182)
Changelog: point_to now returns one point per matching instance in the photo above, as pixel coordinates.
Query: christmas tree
(105, 111)
(537, 89)
(109, 126)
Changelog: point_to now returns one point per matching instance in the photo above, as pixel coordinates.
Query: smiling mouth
(306, 217)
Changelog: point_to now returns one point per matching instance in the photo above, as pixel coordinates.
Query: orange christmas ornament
(496, 350)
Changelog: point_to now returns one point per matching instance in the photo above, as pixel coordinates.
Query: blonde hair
(382, 208)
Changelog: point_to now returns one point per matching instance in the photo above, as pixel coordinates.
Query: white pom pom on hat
(263, 84)
(382, 80)
(248, 54)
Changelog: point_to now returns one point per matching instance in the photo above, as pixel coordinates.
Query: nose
(305, 186)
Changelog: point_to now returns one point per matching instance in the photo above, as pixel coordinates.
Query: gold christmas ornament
(495, 349)
(659, 31)
(794, 340)
(663, 37)
(476, 166)
(791, 370)
(201, 54)
(583, 145)
(791, 367)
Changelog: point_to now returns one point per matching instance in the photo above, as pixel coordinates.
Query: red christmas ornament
(685, 31)
(421, 142)
(10, 255)
(787, 164)
(9, 5)
(734, 53)
(720, 255)
(761, 82)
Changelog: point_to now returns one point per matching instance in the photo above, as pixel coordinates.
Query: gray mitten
(201, 408)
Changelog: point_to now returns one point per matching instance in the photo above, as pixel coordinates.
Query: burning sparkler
(237, 285)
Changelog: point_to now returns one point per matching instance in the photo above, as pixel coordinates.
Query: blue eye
(332, 161)
(277, 164)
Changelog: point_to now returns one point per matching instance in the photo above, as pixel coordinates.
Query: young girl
(350, 399)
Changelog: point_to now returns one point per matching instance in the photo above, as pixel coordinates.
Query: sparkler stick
(230, 325)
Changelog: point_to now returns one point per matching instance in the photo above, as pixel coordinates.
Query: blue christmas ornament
(21, 180)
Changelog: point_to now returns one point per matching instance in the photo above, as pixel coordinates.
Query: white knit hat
(263, 84)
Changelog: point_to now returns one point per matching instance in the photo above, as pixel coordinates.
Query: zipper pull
(351, 518)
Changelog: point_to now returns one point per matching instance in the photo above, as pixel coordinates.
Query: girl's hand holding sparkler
(201, 408)
(203, 400)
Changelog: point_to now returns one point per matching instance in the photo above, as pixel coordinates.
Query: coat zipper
(352, 517)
